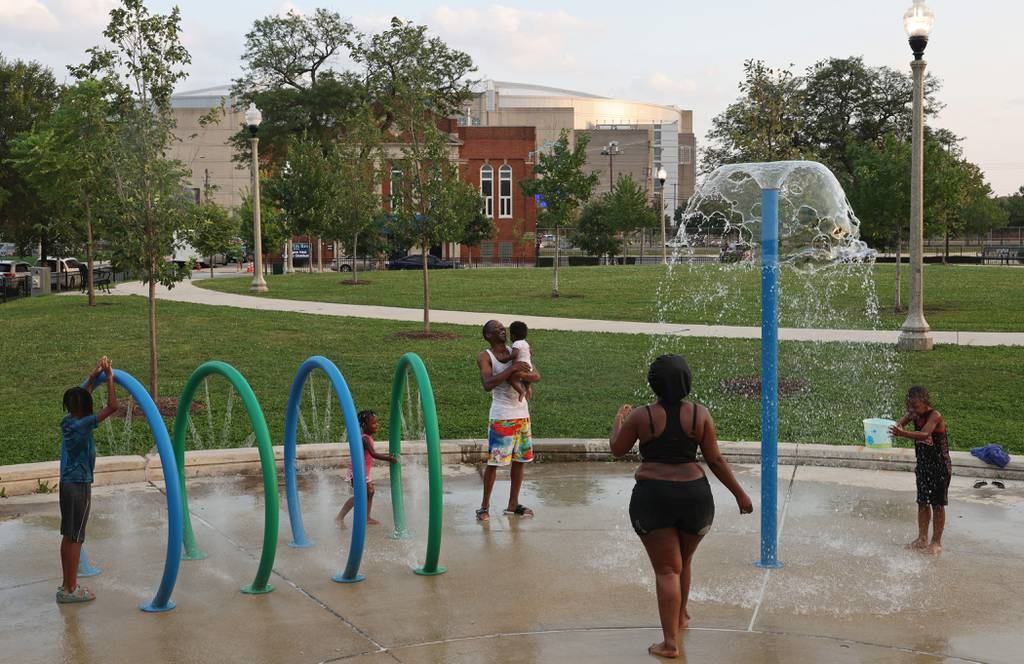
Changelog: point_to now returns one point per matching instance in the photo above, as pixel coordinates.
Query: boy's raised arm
(112, 404)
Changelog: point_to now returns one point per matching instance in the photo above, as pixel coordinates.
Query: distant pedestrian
(934, 468)
(77, 462)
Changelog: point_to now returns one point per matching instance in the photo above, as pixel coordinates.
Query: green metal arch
(267, 466)
(412, 361)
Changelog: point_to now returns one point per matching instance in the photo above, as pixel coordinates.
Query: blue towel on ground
(993, 454)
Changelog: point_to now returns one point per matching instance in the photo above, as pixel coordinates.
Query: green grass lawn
(49, 344)
(957, 297)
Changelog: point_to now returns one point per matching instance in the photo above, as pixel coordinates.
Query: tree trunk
(88, 253)
(945, 253)
(554, 281)
(355, 257)
(211, 266)
(426, 292)
(641, 261)
(152, 328)
(319, 254)
(898, 305)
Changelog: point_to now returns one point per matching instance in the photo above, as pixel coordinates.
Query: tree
(212, 229)
(562, 187)
(764, 124)
(414, 81)
(596, 232)
(142, 68)
(627, 209)
(1013, 206)
(846, 103)
(286, 71)
(879, 191)
(275, 227)
(66, 159)
(28, 94)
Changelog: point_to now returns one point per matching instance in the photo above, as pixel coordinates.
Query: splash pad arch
(413, 362)
(172, 561)
(267, 467)
(351, 572)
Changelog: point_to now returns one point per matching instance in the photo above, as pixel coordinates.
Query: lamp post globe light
(662, 176)
(914, 334)
(253, 118)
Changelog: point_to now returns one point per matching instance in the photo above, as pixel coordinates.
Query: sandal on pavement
(78, 595)
(997, 484)
(520, 510)
(483, 515)
(979, 484)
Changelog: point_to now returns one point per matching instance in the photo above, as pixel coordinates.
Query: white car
(17, 276)
(70, 276)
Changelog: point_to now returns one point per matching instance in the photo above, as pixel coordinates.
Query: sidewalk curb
(23, 479)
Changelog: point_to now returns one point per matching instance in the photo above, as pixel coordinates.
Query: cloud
(520, 42)
(661, 82)
(31, 15)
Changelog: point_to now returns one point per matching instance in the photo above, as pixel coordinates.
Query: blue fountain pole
(769, 376)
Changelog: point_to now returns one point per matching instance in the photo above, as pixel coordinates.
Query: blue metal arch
(162, 600)
(355, 443)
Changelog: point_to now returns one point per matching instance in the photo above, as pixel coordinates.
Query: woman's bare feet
(919, 543)
(662, 650)
(684, 619)
(933, 549)
(372, 522)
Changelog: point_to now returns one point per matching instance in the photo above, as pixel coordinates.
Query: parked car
(415, 262)
(8, 249)
(344, 264)
(17, 276)
(69, 276)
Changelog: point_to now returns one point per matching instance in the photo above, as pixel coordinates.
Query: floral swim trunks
(508, 441)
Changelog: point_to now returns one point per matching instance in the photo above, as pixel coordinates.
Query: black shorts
(932, 483)
(688, 506)
(75, 501)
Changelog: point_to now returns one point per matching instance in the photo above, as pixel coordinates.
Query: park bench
(101, 278)
(1005, 254)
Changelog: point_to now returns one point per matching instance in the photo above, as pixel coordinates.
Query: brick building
(495, 160)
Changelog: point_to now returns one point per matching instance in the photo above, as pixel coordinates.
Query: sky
(683, 53)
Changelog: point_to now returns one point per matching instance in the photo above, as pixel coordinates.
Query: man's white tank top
(505, 403)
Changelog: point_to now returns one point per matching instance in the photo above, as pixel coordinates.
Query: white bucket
(876, 432)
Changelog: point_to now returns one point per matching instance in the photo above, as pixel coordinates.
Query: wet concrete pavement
(571, 584)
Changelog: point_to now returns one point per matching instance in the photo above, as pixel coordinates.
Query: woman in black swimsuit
(672, 508)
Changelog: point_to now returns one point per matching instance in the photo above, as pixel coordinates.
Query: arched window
(487, 189)
(396, 188)
(505, 192)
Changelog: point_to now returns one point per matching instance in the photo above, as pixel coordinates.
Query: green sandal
(77, 596)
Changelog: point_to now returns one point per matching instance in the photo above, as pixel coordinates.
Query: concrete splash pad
(572, 584)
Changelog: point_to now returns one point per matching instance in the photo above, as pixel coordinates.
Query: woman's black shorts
(75, 501)
(687, 506)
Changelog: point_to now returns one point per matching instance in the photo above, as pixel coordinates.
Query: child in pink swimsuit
(369, 425)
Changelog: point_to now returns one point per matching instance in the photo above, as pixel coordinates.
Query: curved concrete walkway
(187, 292)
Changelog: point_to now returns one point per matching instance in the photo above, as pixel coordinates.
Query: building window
(487, 189)
(487, 251)
(505, 252)
(505, 191)
(396, 188)
(685, 154)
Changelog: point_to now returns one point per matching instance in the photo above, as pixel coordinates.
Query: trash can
(40, 280)
(277, 268)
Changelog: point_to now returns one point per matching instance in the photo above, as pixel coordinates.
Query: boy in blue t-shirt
(77, 460)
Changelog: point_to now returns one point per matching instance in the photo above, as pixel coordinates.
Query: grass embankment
(957, 297)
(586, 376)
